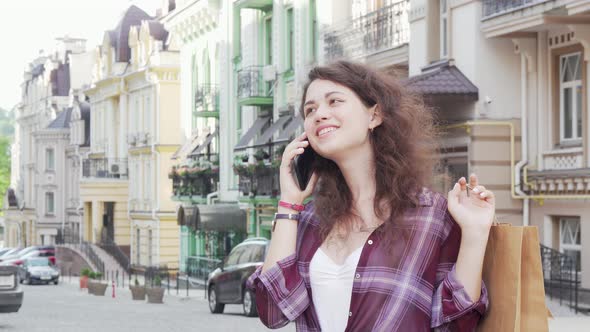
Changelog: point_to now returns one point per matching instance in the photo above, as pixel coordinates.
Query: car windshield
(38, 262)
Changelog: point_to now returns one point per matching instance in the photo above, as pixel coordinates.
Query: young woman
(375, 250)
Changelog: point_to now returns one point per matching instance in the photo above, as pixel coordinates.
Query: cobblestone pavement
(65, 308)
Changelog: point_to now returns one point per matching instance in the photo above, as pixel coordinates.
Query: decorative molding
(417, 13)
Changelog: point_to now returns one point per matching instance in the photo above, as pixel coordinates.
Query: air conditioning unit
(115, 169)
(269, 73)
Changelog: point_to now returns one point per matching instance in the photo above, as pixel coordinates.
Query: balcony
(493, 8)
(562, 174)
(254, 4)
(252, 89)
(385, 29)
(194, 182)
(207, 101)
(259, 179)
(105, 168)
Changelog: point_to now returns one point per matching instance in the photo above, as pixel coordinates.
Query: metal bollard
(117, 278)
(177, 281)
(187, 285)
(168, 277)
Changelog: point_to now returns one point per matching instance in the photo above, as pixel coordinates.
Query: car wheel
(214, 306)
(56, 282)
(249, 304)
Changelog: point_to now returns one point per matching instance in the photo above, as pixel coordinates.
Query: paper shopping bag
(513, 276)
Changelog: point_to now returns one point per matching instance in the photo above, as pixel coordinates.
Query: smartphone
(303, 166)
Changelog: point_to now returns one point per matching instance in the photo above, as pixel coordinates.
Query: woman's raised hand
(290, 191)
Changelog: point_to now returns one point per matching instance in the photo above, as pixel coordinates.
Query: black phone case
(303, 167)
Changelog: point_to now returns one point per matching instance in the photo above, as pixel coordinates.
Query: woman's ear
(375, 119)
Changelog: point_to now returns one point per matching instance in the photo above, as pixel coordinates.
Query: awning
(218, 217)
(268, 134)
(203, 145)
(443, 79)
(192, 217)
(180, 217)
(290, 129)
(187, 147)
(249, 135)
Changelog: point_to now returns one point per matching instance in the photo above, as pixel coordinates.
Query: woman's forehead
(318, 89)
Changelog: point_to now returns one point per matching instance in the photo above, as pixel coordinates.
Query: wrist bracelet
(296, 207)
(290, 216)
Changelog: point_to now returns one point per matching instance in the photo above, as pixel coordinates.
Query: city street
(65, 308)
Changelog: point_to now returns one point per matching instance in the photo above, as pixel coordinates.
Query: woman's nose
(322, 113)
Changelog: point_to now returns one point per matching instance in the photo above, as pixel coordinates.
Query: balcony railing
(380, 30)
(258, 179)
(498, 7)
(105, 168)
(207, 98)
(251, 83)
(563, 159)
(198, 184)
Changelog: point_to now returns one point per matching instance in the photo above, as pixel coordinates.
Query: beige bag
(513, 276)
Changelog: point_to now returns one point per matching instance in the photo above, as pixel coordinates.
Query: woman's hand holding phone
(290, 191)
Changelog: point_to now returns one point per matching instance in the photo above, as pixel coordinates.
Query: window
(290, 39)
(49, 203)
(268, 40)
(570, 238)
(314, 29)
(234, 256)
(50, 159)
(443, 28)
(570, 96)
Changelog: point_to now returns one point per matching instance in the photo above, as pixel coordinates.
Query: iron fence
(495, 7)
(561, 276)
(105, 168)
(207, 98)
(108, 244)
(199, 267)
(251, 84)
(385, 28)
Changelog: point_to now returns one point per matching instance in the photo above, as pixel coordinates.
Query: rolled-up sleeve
(452, 307)
(281, 295)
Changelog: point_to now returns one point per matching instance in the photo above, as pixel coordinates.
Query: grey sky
(30, 25)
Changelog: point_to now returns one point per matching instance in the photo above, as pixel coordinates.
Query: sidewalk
(565, 319)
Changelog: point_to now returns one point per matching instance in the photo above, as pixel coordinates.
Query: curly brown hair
(404, 146)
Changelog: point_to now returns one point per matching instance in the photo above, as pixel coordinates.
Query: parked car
(18, 260)
(4, 250)
(11, 294)
(11, 252)
(21, 252)
(38, 269)
(227, 283)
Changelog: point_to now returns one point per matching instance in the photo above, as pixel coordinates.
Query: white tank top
(331, 288)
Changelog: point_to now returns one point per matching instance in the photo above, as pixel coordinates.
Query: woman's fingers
(473, 181)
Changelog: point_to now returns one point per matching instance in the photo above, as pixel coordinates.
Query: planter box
(137, 293)
(97, 288)
(155, 295)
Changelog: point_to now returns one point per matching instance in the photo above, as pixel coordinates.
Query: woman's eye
(335, 101)
(307, 111)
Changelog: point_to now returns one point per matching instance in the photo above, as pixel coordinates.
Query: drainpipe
(210, 197)
(525, 62)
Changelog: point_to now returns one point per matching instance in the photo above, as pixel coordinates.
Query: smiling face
(336, 120)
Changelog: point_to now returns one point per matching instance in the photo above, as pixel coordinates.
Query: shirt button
(370, 242)
(350, 314)
(358, 276)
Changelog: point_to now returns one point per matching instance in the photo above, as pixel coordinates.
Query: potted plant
(155, 294)
(95, 286)
(172, 174)
(84, 278)
(137, 291)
